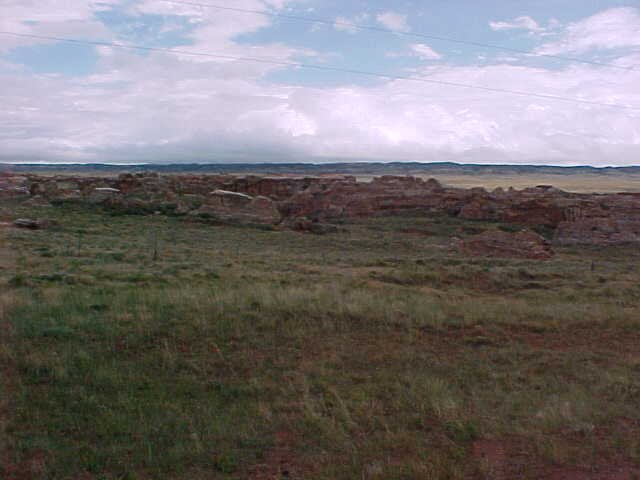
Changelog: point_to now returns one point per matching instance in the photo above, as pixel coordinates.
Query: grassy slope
(373, 353)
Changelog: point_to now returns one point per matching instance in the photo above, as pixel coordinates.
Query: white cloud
(611, 29)
(420, 50)
(212, 28)
(425, 52)
(344, 24)
(163, 107)
(519, 23)
(49, 18)
(393, 21)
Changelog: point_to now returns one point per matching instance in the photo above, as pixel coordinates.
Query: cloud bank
(161, 107)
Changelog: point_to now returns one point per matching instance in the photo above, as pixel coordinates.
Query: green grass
(372, 353)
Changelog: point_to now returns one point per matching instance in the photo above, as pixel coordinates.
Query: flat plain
(153, 347)
(578, 183)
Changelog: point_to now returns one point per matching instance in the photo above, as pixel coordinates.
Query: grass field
(138, 347)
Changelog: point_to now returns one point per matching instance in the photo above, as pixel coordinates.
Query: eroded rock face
(529, 207)
(575, 218)
(13, 186)
(384, 195)
(598, 231)
(298, 201)
(229, 206)
(103, 194)
(601, 220)
(497, 243)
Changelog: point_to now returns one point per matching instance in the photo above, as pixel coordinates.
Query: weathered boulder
(238, 207)
(497, 243)
(598, 231)
(601, 220)
(189, 202)
(383, 195)
(526, 208)
(478, 208)
(102, 194)
(230, 199)
(532, 212)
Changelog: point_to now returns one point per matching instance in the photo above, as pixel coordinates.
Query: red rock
(496, 243)
(577, 218)
(239, 207)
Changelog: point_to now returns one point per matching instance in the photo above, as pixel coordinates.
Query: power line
(325, 68)
(373, 28)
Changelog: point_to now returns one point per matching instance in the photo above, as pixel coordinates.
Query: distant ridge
(400, 168)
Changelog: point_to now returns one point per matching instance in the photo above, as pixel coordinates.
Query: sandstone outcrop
(229, 206)
(304, 203)
(102, 194)
(497, 243)
(384, 195)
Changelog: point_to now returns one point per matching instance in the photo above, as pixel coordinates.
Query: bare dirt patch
(491, 458)
(586, 339)
(281, 462)
(514, 458)
(622, 471)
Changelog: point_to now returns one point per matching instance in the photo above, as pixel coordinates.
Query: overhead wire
(374, 28)
(325, 68)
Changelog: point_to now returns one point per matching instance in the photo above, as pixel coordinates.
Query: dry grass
(8, 301)
(373, 353)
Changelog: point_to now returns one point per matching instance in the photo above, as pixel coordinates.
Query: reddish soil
(599, 472)
(29, 469)
(513, 458)
(577, 338)
(281, 462)
(491, 458)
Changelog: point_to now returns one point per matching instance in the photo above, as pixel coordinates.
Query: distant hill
(396, 168)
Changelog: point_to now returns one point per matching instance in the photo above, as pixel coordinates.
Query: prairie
(141, 347)
(577, 182)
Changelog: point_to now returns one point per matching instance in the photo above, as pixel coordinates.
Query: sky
(83, 102)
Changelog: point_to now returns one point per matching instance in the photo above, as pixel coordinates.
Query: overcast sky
(66, 102)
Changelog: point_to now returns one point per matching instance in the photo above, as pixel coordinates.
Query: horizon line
(310, 164)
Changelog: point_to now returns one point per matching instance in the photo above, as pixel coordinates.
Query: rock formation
(307, 203)
(497, 243)
(229, 206)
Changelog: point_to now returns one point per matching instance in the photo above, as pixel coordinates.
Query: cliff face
(575, 218)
